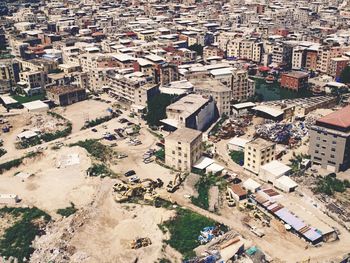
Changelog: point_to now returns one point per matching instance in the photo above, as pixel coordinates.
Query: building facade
(330, 141)
(258, 153)
(183, 148)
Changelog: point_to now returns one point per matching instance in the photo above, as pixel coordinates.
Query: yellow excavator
(175, 184)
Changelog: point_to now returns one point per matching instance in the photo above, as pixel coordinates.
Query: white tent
(203, 163)
(285, 184)
(214, 168)
(36, 105)
(251, 185)
(273, 170)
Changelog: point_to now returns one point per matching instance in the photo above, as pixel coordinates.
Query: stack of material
(288, 134)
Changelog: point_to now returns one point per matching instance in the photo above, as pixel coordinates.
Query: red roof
(263, 68)
(238, 190)
(340, 118)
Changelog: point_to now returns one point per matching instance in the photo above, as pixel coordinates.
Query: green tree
(345, 75)
(156, 108)
(198, 48)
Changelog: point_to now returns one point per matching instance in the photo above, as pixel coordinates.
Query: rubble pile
(55, 246)
(235, 127)
(46, 123)
(282, 133)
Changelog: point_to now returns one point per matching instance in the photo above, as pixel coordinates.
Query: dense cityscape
(192, 131)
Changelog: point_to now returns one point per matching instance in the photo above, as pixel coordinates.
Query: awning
(203, 163)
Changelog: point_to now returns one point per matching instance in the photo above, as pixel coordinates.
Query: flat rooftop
(296, 74)
(209, 84)
(260, 143)
(188, 104)
(184, 135)
(59, 90)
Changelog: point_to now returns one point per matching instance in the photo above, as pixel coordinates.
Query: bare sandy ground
(78, 113)
(50, 188)
(107, 238)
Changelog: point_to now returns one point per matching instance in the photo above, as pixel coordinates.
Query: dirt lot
(80, 112)
(107, 238)
(50, 188)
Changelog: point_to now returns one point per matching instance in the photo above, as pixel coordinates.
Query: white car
(134, 179)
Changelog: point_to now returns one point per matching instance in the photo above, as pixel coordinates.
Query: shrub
(17, 239)
(95, 148)
(184, 231)
(99, 170)
(69, 210)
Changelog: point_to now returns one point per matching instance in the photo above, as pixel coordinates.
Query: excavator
(175, 184)
(145, 188)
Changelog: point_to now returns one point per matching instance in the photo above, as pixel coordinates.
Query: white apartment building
(183, 148)
(257, 153)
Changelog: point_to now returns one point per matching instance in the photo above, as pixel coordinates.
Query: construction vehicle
(140, 242)
(230, 200)
(175, 184)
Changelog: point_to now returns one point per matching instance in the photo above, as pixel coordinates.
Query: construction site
(112, 199)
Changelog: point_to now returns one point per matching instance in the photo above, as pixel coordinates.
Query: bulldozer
(140, 242)
(175, 184)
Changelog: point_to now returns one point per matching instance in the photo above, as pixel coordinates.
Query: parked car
(147, 160)
(122, 155)
(134, 179)
(94, 130)
(130, 173)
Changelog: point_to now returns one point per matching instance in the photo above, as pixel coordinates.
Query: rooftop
(188, 104)
(260, 143)
(340, 118)
(59, 90)
(185, 135)
(209, 84)
(296, 74)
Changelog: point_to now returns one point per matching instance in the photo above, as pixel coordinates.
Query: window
(334, 142)
(333, 149)
(332, 156)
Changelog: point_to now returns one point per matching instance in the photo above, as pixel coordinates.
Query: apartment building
(325, 55)
(219, 92)
(282, 55)
(131, 88)
(298, 57)
(32, 82)
(9, 75)
(183, 148)
(211, 51)
(294, 80)
(192, 111)
(249, 49)
(224, 38)
(257, 153)
(242, 86)
(311, 59)
(337, 65)
(330, 141)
